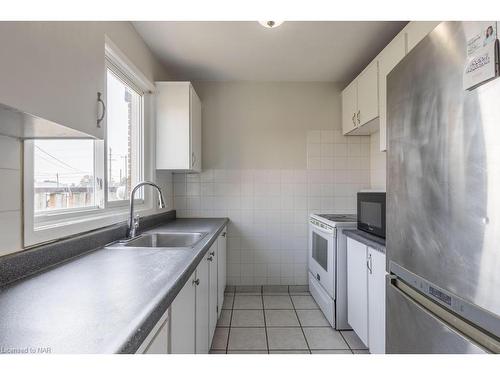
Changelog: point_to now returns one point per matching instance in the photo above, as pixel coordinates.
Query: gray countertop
(106, 301)
(368, 239)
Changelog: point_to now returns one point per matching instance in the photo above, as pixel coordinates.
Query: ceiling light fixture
(271, 24)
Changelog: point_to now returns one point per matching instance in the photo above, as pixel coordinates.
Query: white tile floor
(278, 320)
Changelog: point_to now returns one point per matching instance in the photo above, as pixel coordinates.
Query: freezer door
(412, 329)
(443, 183)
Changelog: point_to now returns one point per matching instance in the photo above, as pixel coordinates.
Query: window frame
(122, 76)
(57, 224)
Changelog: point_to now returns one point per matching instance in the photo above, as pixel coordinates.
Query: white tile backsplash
(269, 208)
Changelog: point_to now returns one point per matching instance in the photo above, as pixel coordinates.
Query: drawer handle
(196, 282)
(210, 259)
(100, 118)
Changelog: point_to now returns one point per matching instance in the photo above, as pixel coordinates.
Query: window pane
(124, 132)
(64, 174)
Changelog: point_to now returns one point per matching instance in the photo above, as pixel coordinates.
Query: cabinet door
(202, 306)
(357, 289)
(159, 344)
(212, 299)
(195, 115)
(349, 107)
(368, 94)
(173, 125)
(418, 30)
(221, 269)
(182, 317)
(392, 54)
(53, 70)
(376, 301)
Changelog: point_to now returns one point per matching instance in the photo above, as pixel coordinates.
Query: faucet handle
(135, 223)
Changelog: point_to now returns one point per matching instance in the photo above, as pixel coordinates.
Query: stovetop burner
(339, 218)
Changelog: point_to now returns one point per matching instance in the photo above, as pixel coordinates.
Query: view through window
(124, 137)
(64, 175)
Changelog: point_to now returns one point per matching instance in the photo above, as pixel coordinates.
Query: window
(75, 185)
(64, 175)
(124, 135)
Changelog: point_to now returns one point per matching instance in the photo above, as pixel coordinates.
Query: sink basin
(166, 240)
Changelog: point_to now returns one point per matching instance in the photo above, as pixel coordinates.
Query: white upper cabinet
(418, 30)
(178, 127)
(387, 60)
(360, 102)
(349, 107)
(368, 94)
(53, 71)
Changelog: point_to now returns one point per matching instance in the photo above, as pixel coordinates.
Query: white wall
(272, 153)
(127, 39)
(377, 163)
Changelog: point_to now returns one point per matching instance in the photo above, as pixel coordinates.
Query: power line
(58, 160)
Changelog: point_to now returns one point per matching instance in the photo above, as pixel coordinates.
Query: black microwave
(371, 213)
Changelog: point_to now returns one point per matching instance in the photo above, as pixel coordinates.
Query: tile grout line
(230, 322)
(349, 346)
(300, 324)
(265, 323)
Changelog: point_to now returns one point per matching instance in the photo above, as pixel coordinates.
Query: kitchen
(170, 192)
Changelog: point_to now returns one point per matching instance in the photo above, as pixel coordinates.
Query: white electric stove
(328, 265)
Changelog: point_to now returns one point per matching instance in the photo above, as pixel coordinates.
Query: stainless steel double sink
(163, 240)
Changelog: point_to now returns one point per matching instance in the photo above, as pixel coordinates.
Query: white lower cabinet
(202, 306)
(221, 269)
(366, 294)
(183, 319)
(376, 301)
(158, 340)
(213, 257)
(192, 316)
(357, 289)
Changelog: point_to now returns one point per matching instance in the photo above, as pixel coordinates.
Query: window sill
(56, 229)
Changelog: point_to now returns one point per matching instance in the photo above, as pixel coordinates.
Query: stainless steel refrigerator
(443, 201)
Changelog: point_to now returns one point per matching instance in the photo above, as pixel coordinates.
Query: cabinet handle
(359, 117)
(210, 259)
(193, 159)
(369, 263)
(354, 119)
(223, 234)
(100, 118)
(196, 282)
(212, 253)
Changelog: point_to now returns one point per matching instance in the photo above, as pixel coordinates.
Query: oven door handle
(315, 228)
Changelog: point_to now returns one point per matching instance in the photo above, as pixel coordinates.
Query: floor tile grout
(265, 323)
(300, 324)
(266, 327)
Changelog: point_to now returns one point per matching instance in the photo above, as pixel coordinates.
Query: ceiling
(246, 51)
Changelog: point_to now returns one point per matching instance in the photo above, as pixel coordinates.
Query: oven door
(322, 256)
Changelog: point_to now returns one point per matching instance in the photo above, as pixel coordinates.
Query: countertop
(105, 301)
(368, 239)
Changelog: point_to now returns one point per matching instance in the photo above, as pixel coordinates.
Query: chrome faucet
(133, 222)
